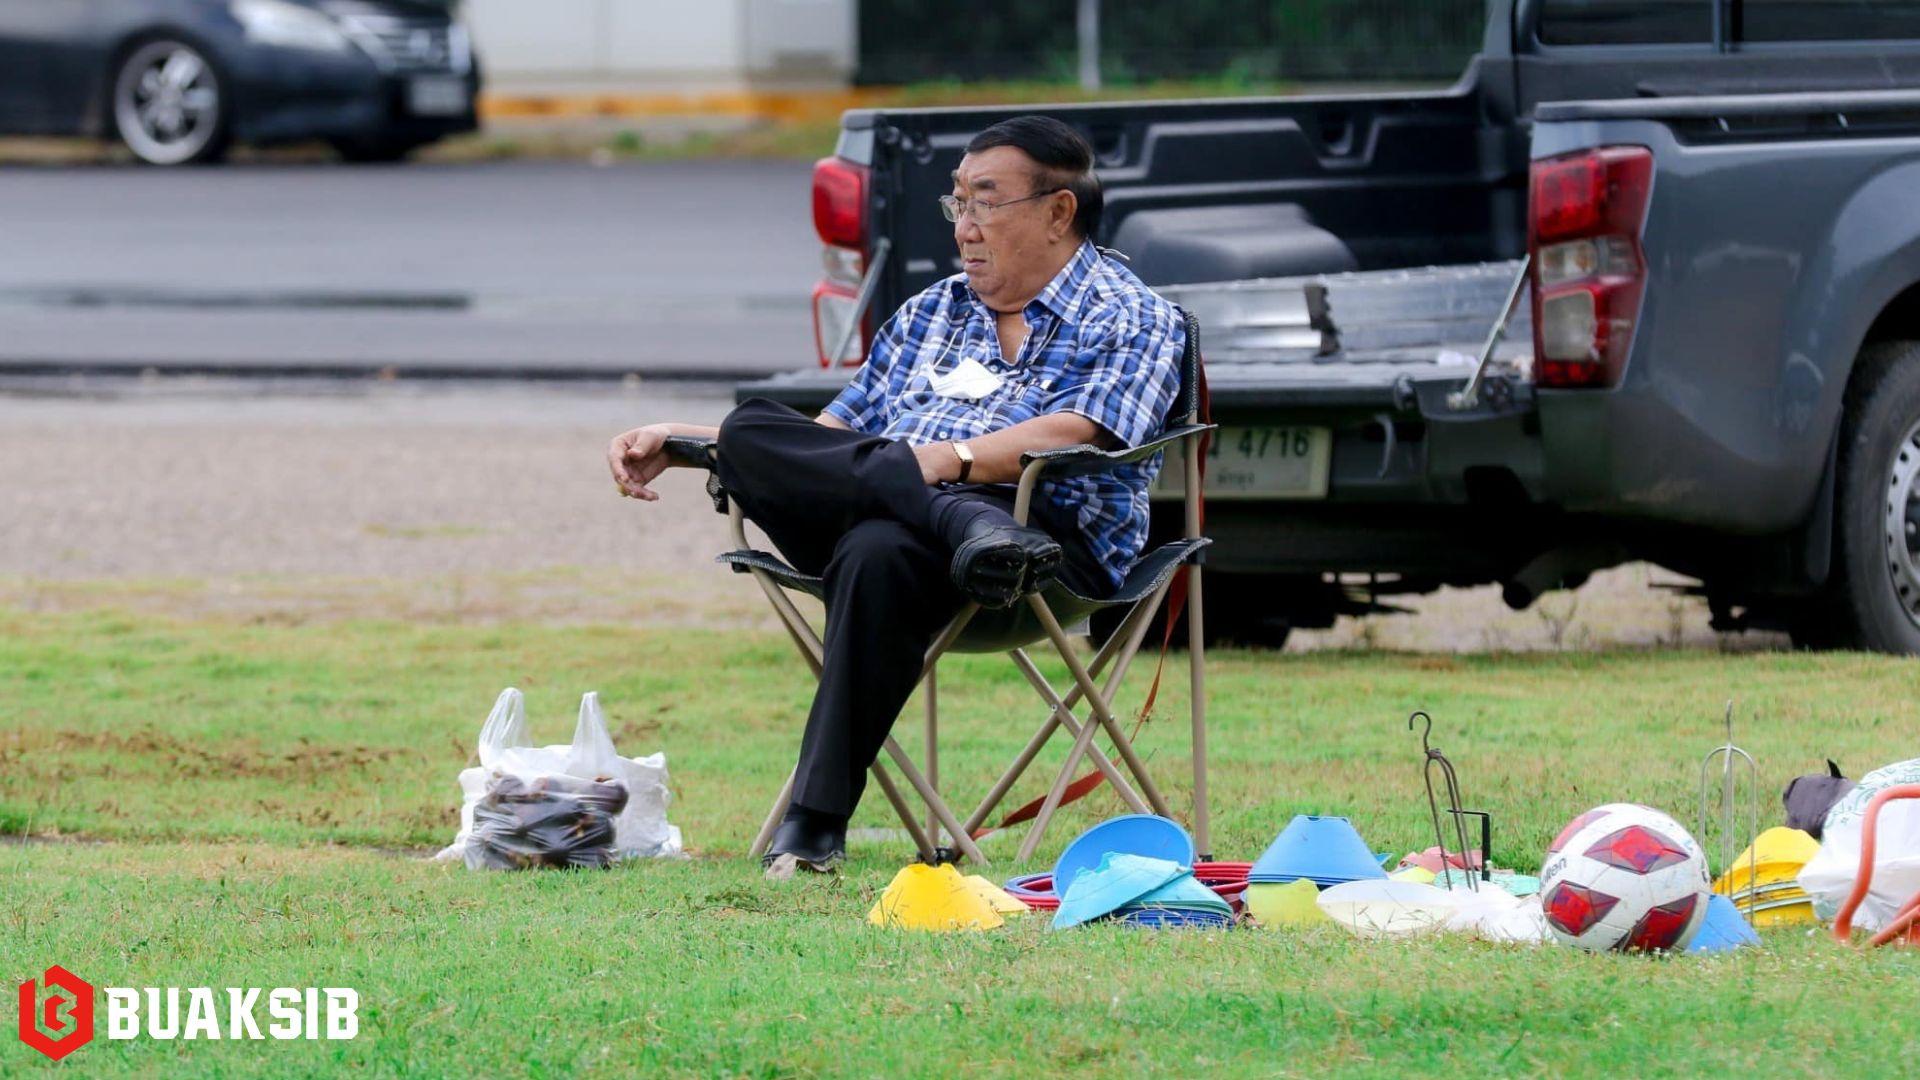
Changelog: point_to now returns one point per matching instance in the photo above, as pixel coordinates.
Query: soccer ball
(1624, 877)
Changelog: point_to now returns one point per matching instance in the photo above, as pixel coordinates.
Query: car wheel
(375, 151)
(1873, 600)
(169, 106)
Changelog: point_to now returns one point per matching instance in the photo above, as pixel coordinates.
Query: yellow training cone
(1420, 875)
(1790, 915)
(1775, 857)
(923, 897)
(1002, 901)
(1291, 903)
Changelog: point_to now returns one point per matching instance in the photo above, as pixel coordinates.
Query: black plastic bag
(1808, 798)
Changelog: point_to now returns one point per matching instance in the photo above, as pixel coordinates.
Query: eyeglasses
(980, 210)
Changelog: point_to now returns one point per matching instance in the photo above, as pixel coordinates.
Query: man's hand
(938, 462)
(636, 457)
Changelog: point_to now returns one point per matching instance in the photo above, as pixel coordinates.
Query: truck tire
(1228, 623)
(1872, 601)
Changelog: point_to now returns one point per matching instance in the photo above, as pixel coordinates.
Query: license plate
(1281, 462)
(437, 97)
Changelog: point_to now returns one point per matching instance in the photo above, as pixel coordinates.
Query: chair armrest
(1084, 459)
(697, 451)
(691, 450)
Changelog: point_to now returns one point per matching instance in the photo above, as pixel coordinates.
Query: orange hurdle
(1905, 924)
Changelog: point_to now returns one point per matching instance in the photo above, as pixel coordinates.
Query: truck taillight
(840, 217)
(1589, 271)
(840, 202)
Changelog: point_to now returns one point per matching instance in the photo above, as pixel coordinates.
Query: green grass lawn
(228, 805)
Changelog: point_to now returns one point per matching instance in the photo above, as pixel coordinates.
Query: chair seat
(993, 630)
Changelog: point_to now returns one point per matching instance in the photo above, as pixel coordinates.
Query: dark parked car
(1709, 212)
(179, 81)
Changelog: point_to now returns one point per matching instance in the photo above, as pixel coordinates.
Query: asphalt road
(495, 268)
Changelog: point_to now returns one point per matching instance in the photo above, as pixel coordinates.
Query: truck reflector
(833, 305)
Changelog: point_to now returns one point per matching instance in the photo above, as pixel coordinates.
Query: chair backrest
(993, 630)
(1188, 400)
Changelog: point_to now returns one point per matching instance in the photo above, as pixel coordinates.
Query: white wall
(648, 36)
(685, 44)
(801, 37)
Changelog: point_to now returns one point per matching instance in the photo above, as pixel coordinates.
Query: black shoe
(997, 564)
(806, 841)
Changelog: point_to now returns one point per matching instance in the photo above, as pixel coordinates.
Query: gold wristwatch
(965, 454)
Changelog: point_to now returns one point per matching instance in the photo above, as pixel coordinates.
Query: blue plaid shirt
(1099, 343)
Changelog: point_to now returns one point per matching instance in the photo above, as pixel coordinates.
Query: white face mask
(968, 381)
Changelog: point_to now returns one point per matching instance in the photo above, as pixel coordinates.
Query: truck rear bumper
(1414, 478)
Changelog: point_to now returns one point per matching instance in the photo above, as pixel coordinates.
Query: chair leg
(934, 802)
(880, 776)
(1192, 488)
(809, 648)
(1057, 792)
(765, 836)
(1197, 669)
(932, 751)
(905, 811)
(1013, 774)
(1101, 709)
(795, 623)
(1125, 643)
(1063, 717)
(939, 814)
(948, 637)
(1098, 705)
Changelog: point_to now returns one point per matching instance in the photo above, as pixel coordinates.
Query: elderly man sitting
(899, 494)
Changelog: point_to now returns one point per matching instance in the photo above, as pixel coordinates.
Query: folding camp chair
(1037, 616)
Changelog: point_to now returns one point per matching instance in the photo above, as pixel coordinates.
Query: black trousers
(854, 510)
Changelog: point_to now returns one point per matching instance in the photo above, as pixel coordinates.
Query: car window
(1626, 22)
(1826, 20)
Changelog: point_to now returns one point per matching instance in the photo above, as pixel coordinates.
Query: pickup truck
(1643, 284)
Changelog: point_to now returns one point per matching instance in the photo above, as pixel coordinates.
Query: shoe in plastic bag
(551, 821)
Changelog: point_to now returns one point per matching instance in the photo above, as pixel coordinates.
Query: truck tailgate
(1355, 340)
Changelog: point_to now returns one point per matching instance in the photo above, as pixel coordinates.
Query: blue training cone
(1130, 834)
(1326, 849)
(1184, 893)
(1723, 930)
(1116, 882)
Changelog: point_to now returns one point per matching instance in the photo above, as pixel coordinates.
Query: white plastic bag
(1493, 914)
(641, 830)
(1373, 908)
(1828, 877)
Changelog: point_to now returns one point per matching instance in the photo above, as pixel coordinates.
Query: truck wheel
(1873, 600)
(1228, 623)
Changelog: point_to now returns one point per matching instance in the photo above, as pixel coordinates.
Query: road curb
(422, 372)
(785, 105)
